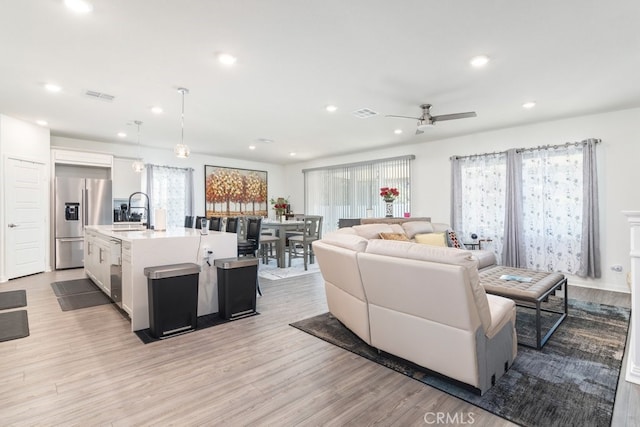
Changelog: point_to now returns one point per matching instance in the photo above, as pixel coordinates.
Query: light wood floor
(85, 367)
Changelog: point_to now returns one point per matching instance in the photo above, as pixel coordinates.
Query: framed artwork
(234, 192)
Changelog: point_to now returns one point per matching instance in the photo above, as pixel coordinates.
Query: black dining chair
(232, 225)
(188, 221)
(215, 223)
(250, 245)
(199, 221)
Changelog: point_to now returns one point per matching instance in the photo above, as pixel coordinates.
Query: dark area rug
(79, 293)
(13, 299)
(572, 381)
(72, 287)
(203, 322)
(13, 325)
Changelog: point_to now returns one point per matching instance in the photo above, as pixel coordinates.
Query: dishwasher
(115, 267)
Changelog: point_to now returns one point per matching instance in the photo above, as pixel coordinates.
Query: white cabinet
(97, 261)
(125, 179)
(127, 278)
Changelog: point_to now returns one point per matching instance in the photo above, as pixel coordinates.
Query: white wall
(618, 164)
(166, 157)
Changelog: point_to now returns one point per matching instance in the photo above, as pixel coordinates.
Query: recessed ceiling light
(479, 61)
(331, 108)
(529, 105)
(41, 122)
(226, 59)
(52, 87)
(252, 147)
(79, 6)
(156, 110)
(397, 131)
(292, 154)
(122, 135)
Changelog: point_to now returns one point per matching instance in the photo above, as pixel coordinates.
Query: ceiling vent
(364, 113)
(99, 95)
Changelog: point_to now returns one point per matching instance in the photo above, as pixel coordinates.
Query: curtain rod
(540, 147)
(169, 167)
(367, 162)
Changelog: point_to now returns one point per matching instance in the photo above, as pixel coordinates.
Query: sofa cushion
(443, 255)
(372, 231)
(347, 241)
(417, 227)
(433, 239)
(394, 236)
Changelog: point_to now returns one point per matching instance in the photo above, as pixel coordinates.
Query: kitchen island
(149, 248)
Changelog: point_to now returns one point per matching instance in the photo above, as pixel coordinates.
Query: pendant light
(182, 150)
(138, 164)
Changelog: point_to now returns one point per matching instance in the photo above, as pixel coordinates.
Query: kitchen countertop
(129, 235)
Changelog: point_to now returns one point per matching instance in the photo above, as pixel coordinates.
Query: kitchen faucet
(146, 208)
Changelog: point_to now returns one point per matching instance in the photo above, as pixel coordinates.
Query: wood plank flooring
(84, 367)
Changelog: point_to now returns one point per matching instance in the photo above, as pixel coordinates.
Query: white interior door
(25, 211)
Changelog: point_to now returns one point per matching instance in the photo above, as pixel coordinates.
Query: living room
(274, 372)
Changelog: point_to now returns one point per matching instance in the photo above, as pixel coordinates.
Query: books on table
(511, 277)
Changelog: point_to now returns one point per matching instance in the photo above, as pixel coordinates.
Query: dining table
(281, 228)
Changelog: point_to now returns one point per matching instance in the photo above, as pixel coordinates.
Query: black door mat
(72, 287)
(203, 322)
(14, 325)
(13, 299)
(85, 300)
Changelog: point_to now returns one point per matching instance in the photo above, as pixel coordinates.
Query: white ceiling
(573, 57)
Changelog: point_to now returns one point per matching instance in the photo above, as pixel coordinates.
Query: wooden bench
(528, 294)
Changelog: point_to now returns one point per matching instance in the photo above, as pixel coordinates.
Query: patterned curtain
(479, 185)
(166, 188)
(552, 208)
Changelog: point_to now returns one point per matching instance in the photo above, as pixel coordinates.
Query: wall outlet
(617, 268)
(205, 252)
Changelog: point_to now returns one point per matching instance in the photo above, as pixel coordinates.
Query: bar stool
(266, 247)
(300, 246)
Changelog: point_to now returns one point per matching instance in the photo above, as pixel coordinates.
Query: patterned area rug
(572, 381)
(272, 272)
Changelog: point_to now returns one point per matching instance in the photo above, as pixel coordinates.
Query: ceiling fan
(427, 120)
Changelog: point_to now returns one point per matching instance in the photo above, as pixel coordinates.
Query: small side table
(472, 245)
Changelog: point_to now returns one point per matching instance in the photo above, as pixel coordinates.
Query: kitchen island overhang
(149, 248)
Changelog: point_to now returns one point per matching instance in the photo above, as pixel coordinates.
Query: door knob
(13, 225)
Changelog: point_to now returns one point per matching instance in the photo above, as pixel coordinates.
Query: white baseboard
(603, 286)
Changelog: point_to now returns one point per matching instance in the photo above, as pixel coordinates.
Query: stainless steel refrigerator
(79, 202)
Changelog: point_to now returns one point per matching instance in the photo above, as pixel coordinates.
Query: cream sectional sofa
(419, 302)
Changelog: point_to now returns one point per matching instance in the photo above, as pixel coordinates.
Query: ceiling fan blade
(403, 117)
(453, 116)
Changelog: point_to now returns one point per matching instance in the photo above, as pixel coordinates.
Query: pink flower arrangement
(389, 194)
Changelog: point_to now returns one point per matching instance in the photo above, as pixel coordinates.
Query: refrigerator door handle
(85, 210)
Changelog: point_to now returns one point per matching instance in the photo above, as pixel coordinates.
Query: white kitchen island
(149, 248)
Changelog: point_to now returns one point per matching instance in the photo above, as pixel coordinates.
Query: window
(353, 190)
(171, 189)
(539, 206)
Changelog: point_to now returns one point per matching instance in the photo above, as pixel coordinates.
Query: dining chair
(198, 223)
(300, 245)
(250, 245)
(268, 239)
(232, 224)
(188, 221)
(215, 223)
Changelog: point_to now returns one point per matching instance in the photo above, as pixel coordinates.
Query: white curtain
(479, 186)
(171, 189)
(353, 190)
(548, 199)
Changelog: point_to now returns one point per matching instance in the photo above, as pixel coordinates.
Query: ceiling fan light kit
(426, 120)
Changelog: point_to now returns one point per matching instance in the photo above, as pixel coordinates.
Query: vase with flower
(389, 195)
(280, 205)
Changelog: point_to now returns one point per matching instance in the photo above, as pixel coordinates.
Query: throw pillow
(394, 236)
(433, 239)
(411, 228)
(452, 240)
